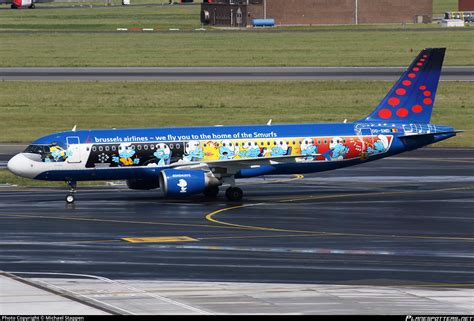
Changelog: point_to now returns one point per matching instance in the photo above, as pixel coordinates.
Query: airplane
(31, 4)
(198, 160)
(16, 4)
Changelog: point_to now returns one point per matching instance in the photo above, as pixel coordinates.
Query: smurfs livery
(189, 161)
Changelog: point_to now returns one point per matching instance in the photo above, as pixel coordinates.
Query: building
(240, 13)
(466, 5)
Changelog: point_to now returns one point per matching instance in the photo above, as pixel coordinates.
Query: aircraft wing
(233, 166)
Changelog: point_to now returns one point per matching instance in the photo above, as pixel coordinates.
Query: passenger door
(73, 149)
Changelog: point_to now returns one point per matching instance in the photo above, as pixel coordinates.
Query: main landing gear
(234, 194)
(70, 196)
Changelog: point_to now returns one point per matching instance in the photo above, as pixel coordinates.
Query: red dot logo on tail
(393, 101)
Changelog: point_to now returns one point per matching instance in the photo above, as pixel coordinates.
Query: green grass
(340, 48)
(32, 109)
(101, 19)
(88, 37)
(6, 177)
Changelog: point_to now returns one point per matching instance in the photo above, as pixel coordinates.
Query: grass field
(6, 177)
(101, 19)
(337, 48)
(88, 37)
(33, 109)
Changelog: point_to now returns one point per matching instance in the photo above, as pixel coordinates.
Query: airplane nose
(20, 165)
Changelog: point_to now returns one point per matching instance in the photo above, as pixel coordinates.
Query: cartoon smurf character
(337, 150)
(379, 146)
(280, 148)
(228, 150)
(193, 152)
(58, 154)
(126, 152)
(183, 184)
(163, 154)
(251, 150)
(308, 149)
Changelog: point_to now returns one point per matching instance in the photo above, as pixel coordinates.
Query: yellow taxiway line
(211, 216)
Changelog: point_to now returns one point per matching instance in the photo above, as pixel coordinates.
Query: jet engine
(143, 184)
(182, 183)
(22, 3)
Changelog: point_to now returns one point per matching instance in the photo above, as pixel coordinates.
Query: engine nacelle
(143, 184)
(182, 183)
(22, 3)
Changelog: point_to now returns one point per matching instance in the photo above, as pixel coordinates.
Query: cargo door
(73, 149)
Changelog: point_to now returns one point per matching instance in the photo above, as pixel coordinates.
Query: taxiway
(223, 73)
(397, 222)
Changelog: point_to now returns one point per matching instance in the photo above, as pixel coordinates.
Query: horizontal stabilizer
(432, 134)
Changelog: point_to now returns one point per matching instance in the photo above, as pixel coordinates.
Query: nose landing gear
(70, 196)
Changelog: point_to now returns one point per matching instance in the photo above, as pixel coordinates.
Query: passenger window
(107, 148)
(101, 148)
(94, 148)
(145, 147)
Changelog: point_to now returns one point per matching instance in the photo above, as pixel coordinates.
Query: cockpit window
(36, 149)
(49, 153)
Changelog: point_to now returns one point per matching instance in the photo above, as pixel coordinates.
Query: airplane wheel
(32, 6)
(70, 198)
(234, 194)
(211, 192)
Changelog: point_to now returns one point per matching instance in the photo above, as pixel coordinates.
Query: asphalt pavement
(222, 73)
(403, 220)
(363, 240)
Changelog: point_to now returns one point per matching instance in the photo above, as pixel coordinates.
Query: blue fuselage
(143, 153)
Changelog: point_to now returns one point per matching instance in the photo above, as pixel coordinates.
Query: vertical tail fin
(413, 96)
